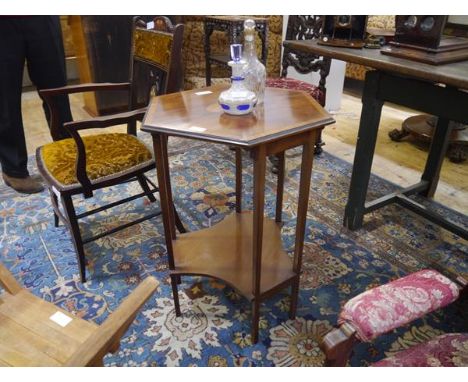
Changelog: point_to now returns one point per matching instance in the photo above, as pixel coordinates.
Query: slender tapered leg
(238, 179)
(55, 205)
(178, 222)
(367, 137)
(72, 222)
(259, 158)
(302, 206)
(439, 143)
(280, 187)
(168, 185)
(174, 281)
(160, 152)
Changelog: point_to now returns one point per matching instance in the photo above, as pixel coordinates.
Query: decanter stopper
(237, 100)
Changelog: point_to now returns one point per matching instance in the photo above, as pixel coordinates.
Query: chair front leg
(338, 345)
(72, 223)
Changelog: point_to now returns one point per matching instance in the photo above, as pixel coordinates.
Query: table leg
(365, 146)
(259, 159)
(302, 207)
(172, 220)
(238, 179)
(280, 187)
(439, 144)
(160, 152)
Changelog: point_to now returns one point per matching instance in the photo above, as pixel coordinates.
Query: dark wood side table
(233, 25)
(436, 90)
(245, 249)
(422, 127)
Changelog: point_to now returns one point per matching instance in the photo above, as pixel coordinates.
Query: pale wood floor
(400, 163)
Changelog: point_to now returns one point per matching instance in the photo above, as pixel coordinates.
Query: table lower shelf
(224, 251)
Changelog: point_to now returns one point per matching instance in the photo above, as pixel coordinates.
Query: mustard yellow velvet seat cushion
(106, 154)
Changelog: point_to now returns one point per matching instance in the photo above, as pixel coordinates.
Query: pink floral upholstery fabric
(293, 84)
(397, 303)
(445, 350)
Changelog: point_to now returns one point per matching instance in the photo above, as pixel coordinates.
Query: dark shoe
(28, 185)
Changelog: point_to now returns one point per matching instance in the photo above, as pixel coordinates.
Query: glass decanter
(254, 70)
(238, 99)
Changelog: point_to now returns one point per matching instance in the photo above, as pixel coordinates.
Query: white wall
(335, 79)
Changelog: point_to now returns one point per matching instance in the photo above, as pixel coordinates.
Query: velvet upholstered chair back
(156, 58)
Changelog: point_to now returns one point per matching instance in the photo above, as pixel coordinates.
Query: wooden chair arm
(81, 88)
(97, 346)
(106, 121)
(50, 98)
(8, 282)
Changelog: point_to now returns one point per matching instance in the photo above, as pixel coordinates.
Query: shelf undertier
(224, 251)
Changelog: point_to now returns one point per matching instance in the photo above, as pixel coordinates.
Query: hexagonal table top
(197, 114)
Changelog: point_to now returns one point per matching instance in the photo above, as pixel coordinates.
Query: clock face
(425, 23)
(428, 23)
(411, 22)
(344, 21)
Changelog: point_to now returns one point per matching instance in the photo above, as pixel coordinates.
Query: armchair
(81, 165)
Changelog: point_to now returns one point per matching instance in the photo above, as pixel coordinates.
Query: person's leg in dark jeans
(38, 40)
(45, 58)
(13, 154)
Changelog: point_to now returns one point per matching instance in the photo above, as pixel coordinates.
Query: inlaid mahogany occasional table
(438, 90)
(245, 249)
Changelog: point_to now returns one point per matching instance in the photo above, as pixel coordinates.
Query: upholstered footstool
(387, 307)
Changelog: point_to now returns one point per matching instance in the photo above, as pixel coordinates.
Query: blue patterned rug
(215, 327)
